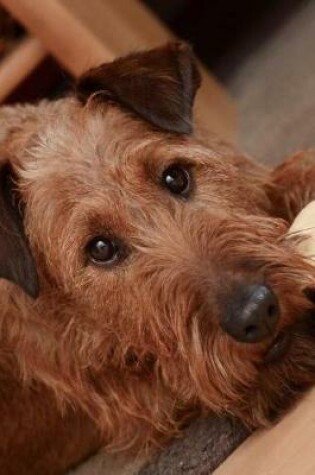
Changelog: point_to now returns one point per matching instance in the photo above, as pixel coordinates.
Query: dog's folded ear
(158, 85)
(16, 261)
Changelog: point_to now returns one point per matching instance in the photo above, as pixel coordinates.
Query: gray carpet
(206, 444)
(274, 88)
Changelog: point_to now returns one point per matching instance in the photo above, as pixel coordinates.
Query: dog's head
(162, 282)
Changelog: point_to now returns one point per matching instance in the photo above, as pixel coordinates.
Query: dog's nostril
(309, 293)
(271, 310)
(252, 315)
(250, 330)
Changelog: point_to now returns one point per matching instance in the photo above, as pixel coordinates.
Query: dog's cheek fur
(173, 346)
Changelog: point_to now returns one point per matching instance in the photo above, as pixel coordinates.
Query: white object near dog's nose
(304, 226)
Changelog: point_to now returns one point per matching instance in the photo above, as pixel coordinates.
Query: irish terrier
(148, 276)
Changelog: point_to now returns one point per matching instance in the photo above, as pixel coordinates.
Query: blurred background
(262, 51)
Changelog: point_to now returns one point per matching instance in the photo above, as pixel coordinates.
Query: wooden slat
(84, 33)
(19, 63)
(286, 449)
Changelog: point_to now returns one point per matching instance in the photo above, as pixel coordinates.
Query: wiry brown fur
(139, 347)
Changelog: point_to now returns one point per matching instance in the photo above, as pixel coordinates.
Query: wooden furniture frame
(85, 33)
(19, 64)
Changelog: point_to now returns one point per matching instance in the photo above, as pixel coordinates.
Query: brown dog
(159, 280)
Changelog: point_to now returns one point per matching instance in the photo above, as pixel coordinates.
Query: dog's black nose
(253, 315)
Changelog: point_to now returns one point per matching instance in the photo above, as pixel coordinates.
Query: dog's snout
(253, 315)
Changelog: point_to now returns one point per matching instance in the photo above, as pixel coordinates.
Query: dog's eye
(103, 251)
(177, 180)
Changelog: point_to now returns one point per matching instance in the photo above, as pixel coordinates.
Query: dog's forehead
(106, 144)
(107, 155)
(117, 139)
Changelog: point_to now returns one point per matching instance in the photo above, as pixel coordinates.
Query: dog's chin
(278, 348)
(292, 342)
(285, 372)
